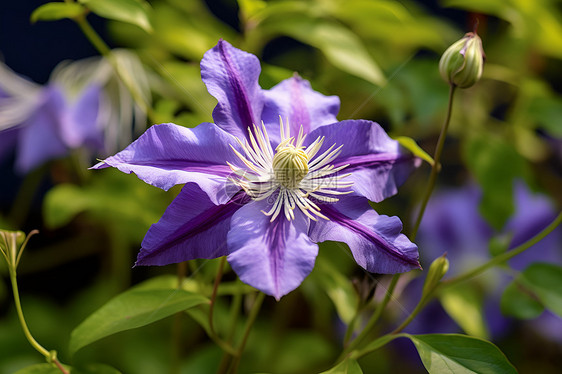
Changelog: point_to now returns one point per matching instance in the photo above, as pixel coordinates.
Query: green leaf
(40, 369)
(129, 11)
(460, 354)
(519, 302)
(544, 280)
(547, 111)
(137, 307)
(411, 145)
(495, 164)
(348, 366)
(338, 288)
(94, 369)
(111, 198)
(56, 11)
(51, 369)
(464, 304)
(340, 46)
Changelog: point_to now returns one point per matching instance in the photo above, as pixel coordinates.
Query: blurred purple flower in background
(264, 193)
(83, 105)
(452, 224)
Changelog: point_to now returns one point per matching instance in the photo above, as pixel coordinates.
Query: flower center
(293, 176)
(290, 165)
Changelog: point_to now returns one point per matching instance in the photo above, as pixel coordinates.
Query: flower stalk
(12, 247)
(251, 319)
(436, 167)
(105, 51)
(373, 321)
(214, 293)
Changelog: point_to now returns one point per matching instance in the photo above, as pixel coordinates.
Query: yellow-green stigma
(290, 165)
(292, 175)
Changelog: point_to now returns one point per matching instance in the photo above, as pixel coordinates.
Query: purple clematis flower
(273, 176)
(42, 123)
(77, 108)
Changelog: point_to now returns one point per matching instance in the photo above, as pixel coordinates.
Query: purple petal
(168, 154)
(191, 227)
(39, 139)
(379, 165)
(375, 241)
(294, 100)
(274, 257)
(231, 76)
(533, 213)
(463, 236)
(80, 125)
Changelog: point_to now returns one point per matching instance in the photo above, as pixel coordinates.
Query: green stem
(214, 294)
(374, 319)
(429, 190)
(93, 36)
(251, 319)
(105, 51)
(234, 313)
(500, 259)
(50, 356)
(177, 324)
(421, 304)
(436, 163)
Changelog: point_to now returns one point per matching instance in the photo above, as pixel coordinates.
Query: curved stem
(436, 162)
(51, 357)
(421, 304)
(105, 51)
(429, 190)
(374, 319)
(480, 269)
(214, 294)
(497, 260)
(251, 319)
(177, 324)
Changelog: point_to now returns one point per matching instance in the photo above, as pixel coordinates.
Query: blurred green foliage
(380, 57)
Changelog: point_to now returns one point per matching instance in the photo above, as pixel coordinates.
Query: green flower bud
(462, 63)
(436, 271)
(12, 244)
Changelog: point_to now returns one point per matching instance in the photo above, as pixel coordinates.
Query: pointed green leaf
(131, 309)
(110, 198)
(129, 11)
(338, 287)
(520, 302)
(464, 304)
(460, 354)
(411, 145)
(56, 11)
(348, 366)
(544, 280)
(341, 47)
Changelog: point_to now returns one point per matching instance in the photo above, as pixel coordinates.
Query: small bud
(12, 244)
(462, 63)
(436, 271)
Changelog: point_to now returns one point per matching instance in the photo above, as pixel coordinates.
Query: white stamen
(291, 171)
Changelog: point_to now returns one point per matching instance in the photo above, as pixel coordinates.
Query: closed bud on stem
(436, 271)
(462, 63)
(12, 244)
